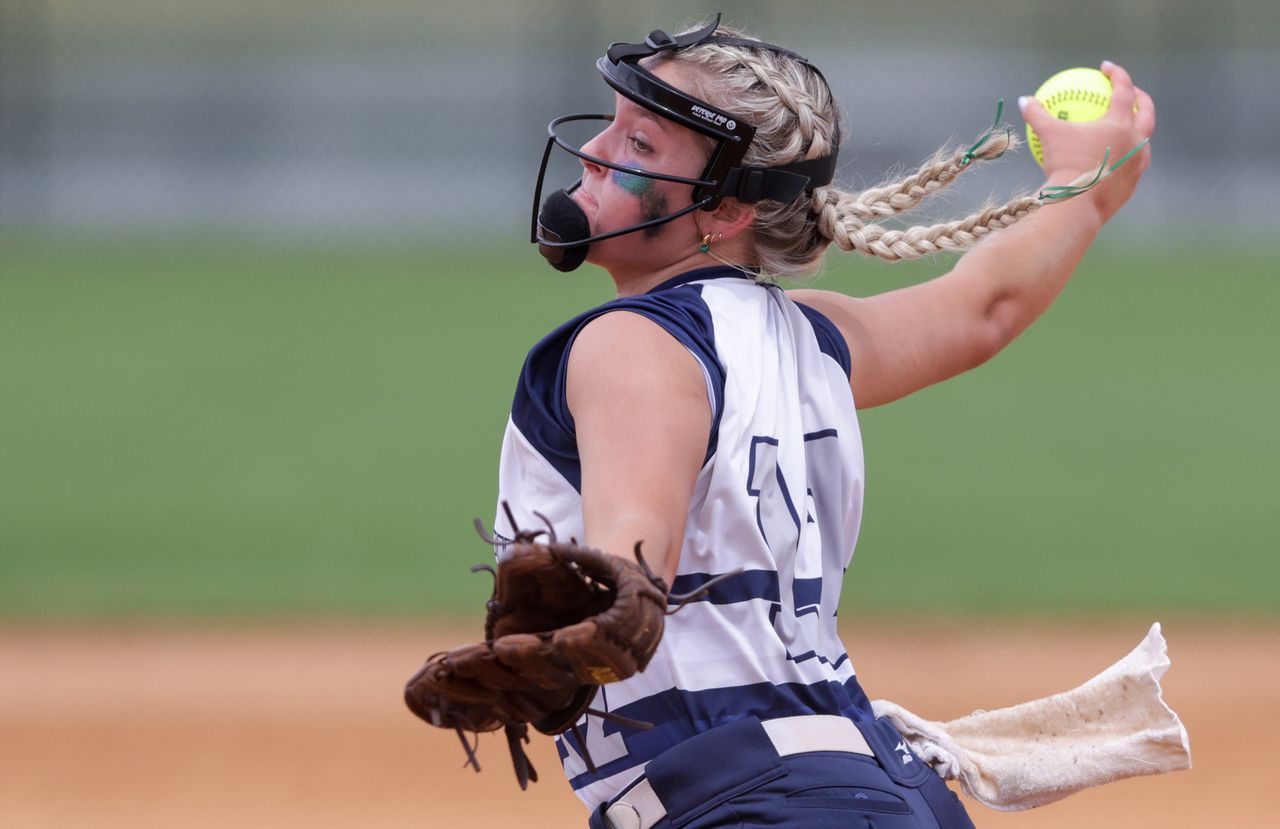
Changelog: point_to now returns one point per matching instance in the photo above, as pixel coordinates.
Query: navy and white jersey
(779, 495)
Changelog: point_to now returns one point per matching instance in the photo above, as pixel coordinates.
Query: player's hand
(1072, 148)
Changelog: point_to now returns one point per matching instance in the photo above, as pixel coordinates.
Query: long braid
(935, 174)
(896, 245)
(833, 207)
(796, 119)
(922, 240)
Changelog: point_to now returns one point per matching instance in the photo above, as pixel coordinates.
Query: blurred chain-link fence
(326, 117)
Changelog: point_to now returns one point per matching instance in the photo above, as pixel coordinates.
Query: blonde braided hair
(797, 119)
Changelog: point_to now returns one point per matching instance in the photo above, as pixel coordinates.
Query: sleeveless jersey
(779, 495)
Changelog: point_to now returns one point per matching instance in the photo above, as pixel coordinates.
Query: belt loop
(637, 808)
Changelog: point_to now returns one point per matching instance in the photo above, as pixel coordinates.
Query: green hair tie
(1129, 154)
(1062, 192)
(969, 153)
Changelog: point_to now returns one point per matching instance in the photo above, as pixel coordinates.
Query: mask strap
(783, 183)
(659, 41)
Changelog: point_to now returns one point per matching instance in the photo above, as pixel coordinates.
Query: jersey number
(800, 535)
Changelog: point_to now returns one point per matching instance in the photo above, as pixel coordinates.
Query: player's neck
(635, 282)
(632, 282)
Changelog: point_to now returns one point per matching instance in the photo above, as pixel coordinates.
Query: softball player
(713, 415)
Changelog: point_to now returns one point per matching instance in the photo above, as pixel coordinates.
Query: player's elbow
(1002, 320)
(981, 337)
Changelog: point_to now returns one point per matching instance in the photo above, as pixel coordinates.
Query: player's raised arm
(904, 340)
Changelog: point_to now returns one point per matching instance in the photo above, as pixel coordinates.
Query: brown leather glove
(563, 620)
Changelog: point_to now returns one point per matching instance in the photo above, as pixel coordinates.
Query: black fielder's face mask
(560, 227)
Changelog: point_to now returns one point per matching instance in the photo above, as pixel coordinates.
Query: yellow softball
(1079, 94)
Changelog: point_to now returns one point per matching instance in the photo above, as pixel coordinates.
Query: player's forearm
(1016, 274)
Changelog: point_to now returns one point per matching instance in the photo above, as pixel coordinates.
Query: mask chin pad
(562, 220)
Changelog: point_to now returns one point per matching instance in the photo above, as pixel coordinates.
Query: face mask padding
(561, 220)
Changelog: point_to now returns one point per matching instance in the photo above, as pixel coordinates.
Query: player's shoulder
(643, 315)
(623, 342)
(664, 327)
(676, 309)
(620, 322)
(662, 337)
(633, 368)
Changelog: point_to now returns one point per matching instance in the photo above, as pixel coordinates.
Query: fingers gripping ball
(1080, 94)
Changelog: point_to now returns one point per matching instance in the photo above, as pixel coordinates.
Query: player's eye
(639, 144)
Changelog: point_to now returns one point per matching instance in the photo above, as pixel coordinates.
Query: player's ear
(730, 218)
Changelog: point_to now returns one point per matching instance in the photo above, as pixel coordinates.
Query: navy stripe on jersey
(830, 340)
(540, 409)
(678, 715)
(747, 586)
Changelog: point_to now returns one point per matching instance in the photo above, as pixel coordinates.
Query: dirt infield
(293, 727)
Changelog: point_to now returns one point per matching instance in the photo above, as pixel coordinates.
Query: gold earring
(705, 247)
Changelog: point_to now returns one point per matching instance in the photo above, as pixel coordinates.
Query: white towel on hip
(1114, 726)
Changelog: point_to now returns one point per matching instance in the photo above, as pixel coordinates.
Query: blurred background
(266, 286)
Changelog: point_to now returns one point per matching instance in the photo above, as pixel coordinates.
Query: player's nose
(595, 148)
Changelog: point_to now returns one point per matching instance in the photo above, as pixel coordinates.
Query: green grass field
(213, 430)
